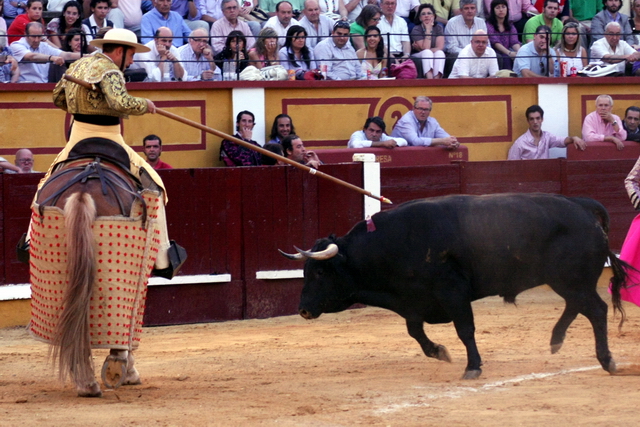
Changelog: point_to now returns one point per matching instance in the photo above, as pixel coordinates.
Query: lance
(245, 144)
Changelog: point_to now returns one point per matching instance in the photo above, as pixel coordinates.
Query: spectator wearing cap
(338, 56)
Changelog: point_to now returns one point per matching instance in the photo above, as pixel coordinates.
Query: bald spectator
(162, 16)
(161, 63)
(373, 135)
(477, 60)
(611, 13)
(602, 125)
(293, 148)
(460, 29)
(228, 23)
(612, 50)
(197, 57)
(34, 56)
(318, 25)
(8, 167)
(282, 21)
(271, 6)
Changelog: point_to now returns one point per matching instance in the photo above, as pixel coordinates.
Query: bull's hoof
(443, 354)
(612, 369)
(555, 348)
(92, 390)
(472, 374)
(114, 371)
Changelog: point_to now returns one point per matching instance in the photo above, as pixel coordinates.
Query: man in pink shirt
(601, 125)
(535, 143)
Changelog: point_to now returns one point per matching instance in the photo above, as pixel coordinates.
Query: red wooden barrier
(402, 156)
(604, 150)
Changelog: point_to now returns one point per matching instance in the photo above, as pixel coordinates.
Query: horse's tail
(72, 341)
(618, 281)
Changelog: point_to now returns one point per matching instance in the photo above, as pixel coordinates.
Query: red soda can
(564, 68)
(573, 72)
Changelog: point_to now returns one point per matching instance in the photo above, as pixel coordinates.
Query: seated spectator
(9, 70)
(35, 56)
(535, 143)
(602, 125)
(8, 167)
(336, 55)
(609, 14)
(271, 7)
(11, 9)
(569, 49)
(318, 26)
(58, 28)
(221, 29)
(293, 148)
(265, 52)
(373, 55)
(18, 26)
(445, 9)
(459, 30)
(190, 12)
(161, 62)
(276, 149)
(631, 122)
(334, 9)
(372, 135)
(152, 148)
(502, 34)
(634, 22)
(131, 13)
(162, 16)
(233, 58)
(533, 59)
(236, 155)
(548, 18)
(24, 162)
(369, 17)
(197, 58)
(210, 11)
(281, 128)
(98, 19)
(3, 23)
(563, 15)
(476, 60)
(295, 54)
(418, 128)
(519, 12)
(427, 41)
(394, 25)
(612, 50)
(75, 41)
(282, 21)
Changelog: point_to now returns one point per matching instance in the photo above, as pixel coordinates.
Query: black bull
(427, 260)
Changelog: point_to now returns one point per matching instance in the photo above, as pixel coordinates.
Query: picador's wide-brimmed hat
(120, 36)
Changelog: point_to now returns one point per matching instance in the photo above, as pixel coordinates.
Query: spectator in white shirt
(373, 135)
(282, 21)
(318, 26)
(459, 29)
(399, 42)
(477, 60)
(161, 63)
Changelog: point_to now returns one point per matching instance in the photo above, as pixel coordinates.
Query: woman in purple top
(502, 34)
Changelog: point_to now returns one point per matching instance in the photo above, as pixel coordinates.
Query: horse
(93, 189)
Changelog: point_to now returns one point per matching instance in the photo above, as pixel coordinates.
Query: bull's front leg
(465, 327)
(430, 349)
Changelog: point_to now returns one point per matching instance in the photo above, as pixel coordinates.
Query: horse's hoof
(443, 354)
(555, 348)
(114, 371)
(132, 378)
(92, 390)
(472, 374)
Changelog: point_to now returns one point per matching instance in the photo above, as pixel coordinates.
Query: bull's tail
(72, 341)
(618, 281)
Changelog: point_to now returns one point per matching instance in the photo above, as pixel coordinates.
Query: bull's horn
(295, 257)
(331, 251)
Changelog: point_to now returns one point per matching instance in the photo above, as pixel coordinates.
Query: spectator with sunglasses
(337, 56)
(533, 59)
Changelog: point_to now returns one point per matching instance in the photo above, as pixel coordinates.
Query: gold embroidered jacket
(112, 100)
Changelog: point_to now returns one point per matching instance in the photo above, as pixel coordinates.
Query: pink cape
(630, 253)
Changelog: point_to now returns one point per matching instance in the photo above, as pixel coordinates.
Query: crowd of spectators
(339, 39)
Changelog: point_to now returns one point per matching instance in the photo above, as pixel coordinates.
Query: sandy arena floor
(354, 368)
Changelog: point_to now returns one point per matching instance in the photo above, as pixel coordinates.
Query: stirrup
(114, 371)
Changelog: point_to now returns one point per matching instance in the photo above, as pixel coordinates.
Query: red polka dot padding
(125, 254)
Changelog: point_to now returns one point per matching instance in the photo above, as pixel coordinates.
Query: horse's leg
(114, 369)
(90, 390)
(133, 377)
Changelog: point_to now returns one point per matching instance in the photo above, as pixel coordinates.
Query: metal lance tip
(385, 200)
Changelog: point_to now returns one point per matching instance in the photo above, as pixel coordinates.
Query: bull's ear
(295, 257)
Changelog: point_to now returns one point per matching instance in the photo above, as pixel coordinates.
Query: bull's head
(326, 282)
